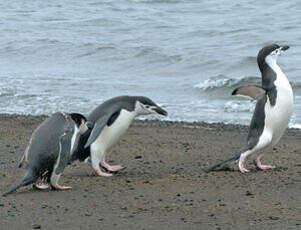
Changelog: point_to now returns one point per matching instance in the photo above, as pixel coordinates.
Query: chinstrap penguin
(110, 120)
(272, 112)
(50, 149)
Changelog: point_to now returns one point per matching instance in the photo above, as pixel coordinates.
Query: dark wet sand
(164, 185)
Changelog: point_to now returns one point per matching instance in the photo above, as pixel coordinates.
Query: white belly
(111, 134)
(279, 115)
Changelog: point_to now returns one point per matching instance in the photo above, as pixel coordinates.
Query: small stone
(248, 193)
(123, 216)
(138, 157)
(36, 226)
(274, 217)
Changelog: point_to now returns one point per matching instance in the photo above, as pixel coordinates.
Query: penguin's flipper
(252, 91)
(62, 160)
(100, 124)
(64, 154)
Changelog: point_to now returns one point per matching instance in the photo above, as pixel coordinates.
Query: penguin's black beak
(284, 48)
(160, 111)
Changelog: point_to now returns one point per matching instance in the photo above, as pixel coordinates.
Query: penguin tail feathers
(27, 179)
(220, 164)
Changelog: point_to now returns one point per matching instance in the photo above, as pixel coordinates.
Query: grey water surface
(187, 56)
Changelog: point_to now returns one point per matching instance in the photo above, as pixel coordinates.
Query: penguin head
(80, 122)
(269, 54)
(145, 106)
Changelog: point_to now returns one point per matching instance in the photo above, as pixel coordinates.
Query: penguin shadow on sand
(272, 112)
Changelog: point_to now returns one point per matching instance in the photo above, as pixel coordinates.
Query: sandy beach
(164, 185)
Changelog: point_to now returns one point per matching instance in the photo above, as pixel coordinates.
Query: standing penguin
(273, 108)
(110, 121)
(50, 149)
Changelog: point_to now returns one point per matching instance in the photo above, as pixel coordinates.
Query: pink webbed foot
(41, 186)
(101, 173)
(60, 187)
(241, 164)
(111, 168)
(261, 166)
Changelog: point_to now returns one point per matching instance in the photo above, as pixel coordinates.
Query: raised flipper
(252, 91)
(100, 124)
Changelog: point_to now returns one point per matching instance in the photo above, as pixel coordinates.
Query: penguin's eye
(147, 106)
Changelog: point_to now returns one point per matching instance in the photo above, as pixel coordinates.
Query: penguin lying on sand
(50, 150)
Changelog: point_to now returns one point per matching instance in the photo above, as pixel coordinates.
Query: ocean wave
(239, 106)
(155, 1)
(295, 126)
(223, 82)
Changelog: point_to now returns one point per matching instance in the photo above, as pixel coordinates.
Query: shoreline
(191, 124)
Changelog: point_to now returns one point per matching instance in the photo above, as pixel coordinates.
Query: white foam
(212, 83)
(295, 126)
(239, 106)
